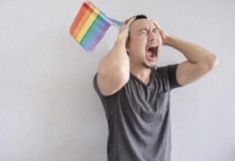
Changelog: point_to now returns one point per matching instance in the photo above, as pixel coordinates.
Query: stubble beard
(144, 64)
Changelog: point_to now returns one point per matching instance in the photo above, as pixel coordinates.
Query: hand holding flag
(90, 25)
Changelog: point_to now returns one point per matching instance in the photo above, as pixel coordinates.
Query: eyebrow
(145, 28)
(141, 29)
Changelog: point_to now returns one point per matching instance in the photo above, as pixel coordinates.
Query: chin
(150, 66)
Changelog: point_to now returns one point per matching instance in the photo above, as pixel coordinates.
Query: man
(135, 92)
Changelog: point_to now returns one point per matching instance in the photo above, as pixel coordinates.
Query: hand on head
(124, 30)
(163, 34)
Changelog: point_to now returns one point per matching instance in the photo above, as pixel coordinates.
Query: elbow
(123, 75)
(211, 62)
(214, 60)
(208, 65)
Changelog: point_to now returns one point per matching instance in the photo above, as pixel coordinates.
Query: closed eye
(146, 31)
(143, 31)
(156, 30)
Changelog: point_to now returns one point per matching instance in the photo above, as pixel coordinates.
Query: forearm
(193, 52)
(116, 61)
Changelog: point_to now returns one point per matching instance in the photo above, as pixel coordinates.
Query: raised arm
(199, 61)
(114, 68)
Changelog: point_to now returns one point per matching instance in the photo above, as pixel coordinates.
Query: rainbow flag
(90, 25)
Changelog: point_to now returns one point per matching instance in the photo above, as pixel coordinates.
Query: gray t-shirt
(138, 117)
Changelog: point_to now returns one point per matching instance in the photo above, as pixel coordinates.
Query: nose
(153, 36)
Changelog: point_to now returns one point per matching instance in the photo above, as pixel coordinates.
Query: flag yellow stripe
(93, 15)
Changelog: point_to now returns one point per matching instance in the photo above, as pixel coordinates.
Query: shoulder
(99, 92)
(167, 75)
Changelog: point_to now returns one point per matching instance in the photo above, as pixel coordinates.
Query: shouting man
(135, 92)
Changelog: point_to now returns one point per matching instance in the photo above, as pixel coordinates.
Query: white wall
(49, 110)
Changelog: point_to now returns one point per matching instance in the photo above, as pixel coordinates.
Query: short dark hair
(140, 17)
(137, 17)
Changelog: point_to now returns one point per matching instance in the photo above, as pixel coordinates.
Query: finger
(157, 24)
(127, 24)
(129, 21)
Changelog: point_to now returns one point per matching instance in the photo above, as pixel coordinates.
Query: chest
(147, 102)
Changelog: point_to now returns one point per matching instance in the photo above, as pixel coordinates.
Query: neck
(141, 73)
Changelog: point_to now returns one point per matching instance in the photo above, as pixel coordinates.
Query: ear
(128, 44)
(127, 49)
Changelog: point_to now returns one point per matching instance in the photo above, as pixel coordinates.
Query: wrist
(120, 41)
(167, 40)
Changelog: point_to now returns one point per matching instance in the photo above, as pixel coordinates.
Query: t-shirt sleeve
(172, 76)
(170, 72)
(105, 100)
(95, 85)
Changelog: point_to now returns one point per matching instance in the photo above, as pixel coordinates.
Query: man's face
(144, 43)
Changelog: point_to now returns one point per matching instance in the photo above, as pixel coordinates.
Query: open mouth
(152, 52)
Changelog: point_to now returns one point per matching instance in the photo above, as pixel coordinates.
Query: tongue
(150, 55)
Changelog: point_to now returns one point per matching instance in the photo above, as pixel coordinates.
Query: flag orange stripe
(77, 19)
(85, 28)
(82, 19)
